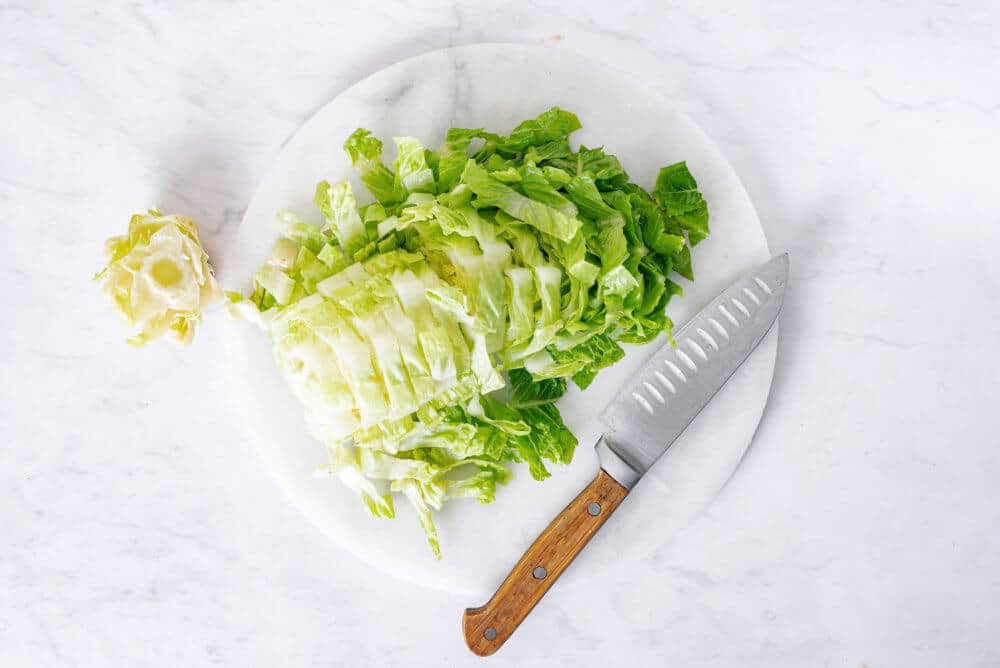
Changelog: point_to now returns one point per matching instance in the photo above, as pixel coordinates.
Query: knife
(640, 424)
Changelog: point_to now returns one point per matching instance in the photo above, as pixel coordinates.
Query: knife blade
(640, 424)
(652, 410)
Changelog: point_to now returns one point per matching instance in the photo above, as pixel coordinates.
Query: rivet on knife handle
(486, 628)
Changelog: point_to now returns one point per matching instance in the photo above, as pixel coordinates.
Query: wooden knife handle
(486, 628)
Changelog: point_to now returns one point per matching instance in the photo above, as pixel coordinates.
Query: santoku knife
(642, 422)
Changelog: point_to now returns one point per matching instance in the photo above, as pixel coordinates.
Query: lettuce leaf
(366, 156)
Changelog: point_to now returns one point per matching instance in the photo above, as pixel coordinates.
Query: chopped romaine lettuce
(430, 333)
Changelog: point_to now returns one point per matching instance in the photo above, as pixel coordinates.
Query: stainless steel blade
(653, 409)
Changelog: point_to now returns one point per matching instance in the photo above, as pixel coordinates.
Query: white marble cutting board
(496, 86)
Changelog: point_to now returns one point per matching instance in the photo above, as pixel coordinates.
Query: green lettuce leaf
(677, 194)
(492, 193)
(366, 156)
(412, 172)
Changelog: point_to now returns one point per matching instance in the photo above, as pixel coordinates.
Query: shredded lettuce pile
(429, 332)
(158, 277)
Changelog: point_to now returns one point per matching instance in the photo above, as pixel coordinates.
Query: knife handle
(487, 627)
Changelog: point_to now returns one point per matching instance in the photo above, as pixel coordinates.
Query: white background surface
(136, 528)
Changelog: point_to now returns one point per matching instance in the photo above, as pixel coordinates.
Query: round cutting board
(495, 87)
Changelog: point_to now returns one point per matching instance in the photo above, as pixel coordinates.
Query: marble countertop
(860, 530)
